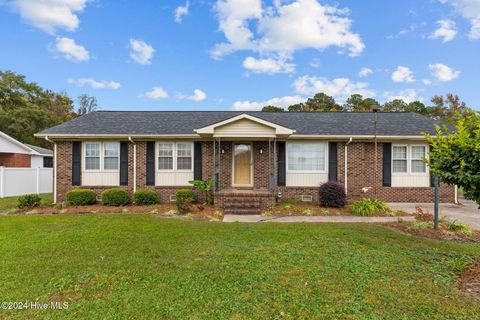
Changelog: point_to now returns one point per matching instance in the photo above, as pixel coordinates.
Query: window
(306, 156)
(165, 156)
(111, 151)
(184, 156)
(48, 162)
(399, 159)
(418, 153)
(175, 156)
(92, 156)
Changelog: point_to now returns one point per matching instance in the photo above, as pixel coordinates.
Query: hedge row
(111, 197)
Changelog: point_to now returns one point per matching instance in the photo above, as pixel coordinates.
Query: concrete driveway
(467, 212)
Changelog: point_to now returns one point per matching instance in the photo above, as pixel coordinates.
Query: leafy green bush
(81, 197)
(115, 197)
(459, 227)
(29, 200)
(332, 195)
(145, 197)
(184, 199)
(206, 187)
(368, 207)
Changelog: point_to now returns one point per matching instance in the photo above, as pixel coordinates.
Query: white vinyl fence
(20, 181)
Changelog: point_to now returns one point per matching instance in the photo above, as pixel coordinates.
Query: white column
(38, 180)
(2, 184)
(55, 173)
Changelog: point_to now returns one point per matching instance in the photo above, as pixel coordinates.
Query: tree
(448, 109)
(272, 109)
(86, 104)
(454, 154)
(417, 107)
(356, 103)
(297, 107)
(322, 102)
(26, 108)
(396, 105)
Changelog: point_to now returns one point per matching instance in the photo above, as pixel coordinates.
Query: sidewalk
(312, 219)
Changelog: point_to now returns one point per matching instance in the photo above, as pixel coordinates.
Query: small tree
(455, 154)
(272, 109)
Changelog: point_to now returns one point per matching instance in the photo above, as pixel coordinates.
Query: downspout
(54, 169)
(456, 194)
(134, 164)
(346, 164)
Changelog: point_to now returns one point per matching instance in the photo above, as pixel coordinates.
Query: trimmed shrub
(184, 199)
(115, 197)
(81, 197)
(29, 200)
(368, 207)
(332, 195)
(145, 197)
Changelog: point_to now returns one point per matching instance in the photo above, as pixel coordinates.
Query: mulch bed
(404, 227)
(199, 212)
(470, 280)
(302, 209)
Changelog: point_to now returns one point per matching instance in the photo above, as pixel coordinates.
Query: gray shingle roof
(305, 123)
(40, 149)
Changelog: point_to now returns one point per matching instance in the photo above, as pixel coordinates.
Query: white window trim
(101, 156)
(409, 160)
(174, 166)
(306, 171)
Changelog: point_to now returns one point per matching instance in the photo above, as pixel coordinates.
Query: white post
(55, 173)
(38, 180)
(2, 178)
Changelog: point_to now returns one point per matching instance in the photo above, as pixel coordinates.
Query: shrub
(184, 199)
(368, 207)
(81, 197)
(423, 215)
(456, 226)
(29, 200)
(115, 197)
(206, 187)
(145, 197)
(332, 195)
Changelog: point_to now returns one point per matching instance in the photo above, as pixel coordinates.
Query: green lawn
(9, 203)
(143, 266)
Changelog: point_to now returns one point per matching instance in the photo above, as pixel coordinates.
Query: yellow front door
(242, 164)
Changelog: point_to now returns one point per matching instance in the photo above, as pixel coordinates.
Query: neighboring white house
(24, 168)
(14, 154)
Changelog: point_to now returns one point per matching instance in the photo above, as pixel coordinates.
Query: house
(15, 154)
(255, 157)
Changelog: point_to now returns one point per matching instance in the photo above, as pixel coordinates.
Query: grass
(10, 203)
(141, 266)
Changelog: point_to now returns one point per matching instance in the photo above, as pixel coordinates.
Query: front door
(242, 165)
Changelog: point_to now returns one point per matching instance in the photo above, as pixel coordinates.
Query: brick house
(15, 154)
(255, 157)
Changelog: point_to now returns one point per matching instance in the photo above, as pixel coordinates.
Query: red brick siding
(15, 160)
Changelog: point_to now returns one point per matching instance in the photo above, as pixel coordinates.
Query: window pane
(418, 152)
(165, 163)
(165, 149)
(184, 163)
(92, 163)
(399, 152)
(399, 166)
(418, 166)
(111, 149)
(110, 163)
(184, 149)
(92, 149)
(306, 156)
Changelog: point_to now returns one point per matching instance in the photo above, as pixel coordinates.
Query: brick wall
(15, 160)
(360, 163)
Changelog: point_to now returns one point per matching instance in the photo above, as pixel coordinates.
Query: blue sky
(242, 54)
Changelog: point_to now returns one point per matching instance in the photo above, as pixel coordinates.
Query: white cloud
(156, 93)
(198, 95)
(365, 72)
(402, 74)
(408, 95)
(71, 50)
(269, 65)
(283, 102)
(427, 82)
(141, 52)
(181, 11)
(443, 73)
(447, 30)
(340, 88)
(50, 15)
(94, 83)
(470, 10)
(271, 31)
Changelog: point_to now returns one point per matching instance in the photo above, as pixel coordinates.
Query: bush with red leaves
(423, 215)
(332, 195)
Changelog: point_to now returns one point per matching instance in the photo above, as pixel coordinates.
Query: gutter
(346, 164)
(54, 169)
(134, 163)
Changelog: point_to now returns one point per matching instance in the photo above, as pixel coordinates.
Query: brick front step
(244, 201)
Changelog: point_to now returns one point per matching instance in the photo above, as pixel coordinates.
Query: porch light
(223, 151)
(261, 150)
